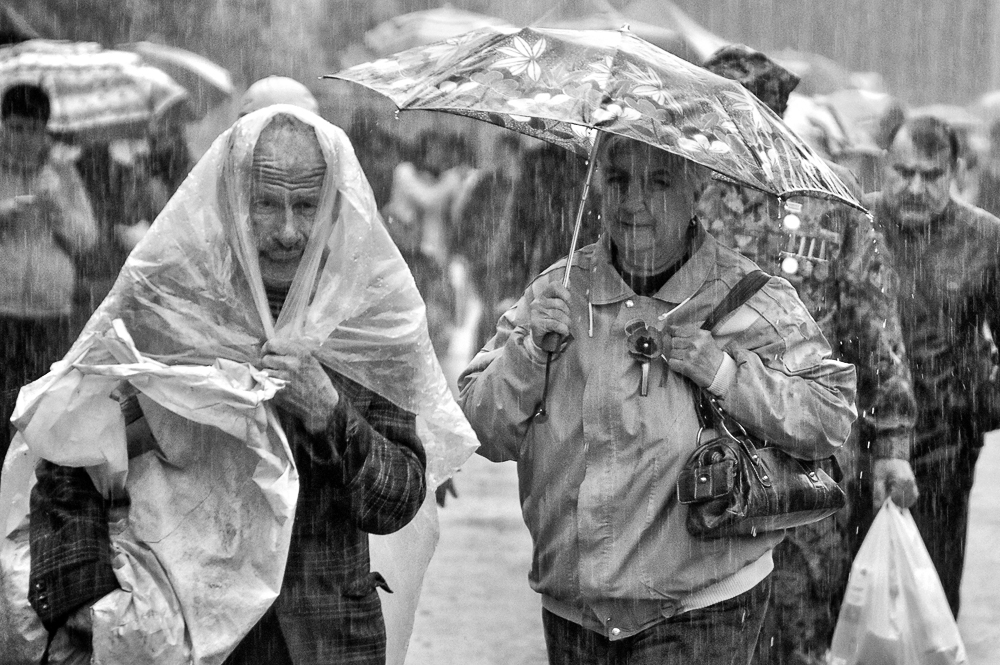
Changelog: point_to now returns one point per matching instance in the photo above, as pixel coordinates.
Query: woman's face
(648, 201)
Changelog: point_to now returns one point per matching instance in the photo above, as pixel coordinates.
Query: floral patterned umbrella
(561, 85)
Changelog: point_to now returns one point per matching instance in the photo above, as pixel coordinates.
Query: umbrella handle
(552, 340)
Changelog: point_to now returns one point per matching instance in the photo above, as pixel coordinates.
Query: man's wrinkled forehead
(288, 146)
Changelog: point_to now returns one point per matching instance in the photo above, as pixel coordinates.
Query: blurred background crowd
(476, 210)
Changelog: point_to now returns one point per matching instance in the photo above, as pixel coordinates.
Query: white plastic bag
(895, 611)
(203, 553)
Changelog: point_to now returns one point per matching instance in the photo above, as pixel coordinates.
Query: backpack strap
(751, 283)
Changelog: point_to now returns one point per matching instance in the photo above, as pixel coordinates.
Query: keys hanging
(643, 347)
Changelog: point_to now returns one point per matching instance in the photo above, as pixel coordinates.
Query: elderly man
(948, 258)
(621, 578)
(45, 223)
(290, 243)
(840, 269)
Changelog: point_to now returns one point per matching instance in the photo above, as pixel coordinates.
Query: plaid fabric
(364, 475)
(69, 542)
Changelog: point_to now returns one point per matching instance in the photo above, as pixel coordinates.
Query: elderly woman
(271, 254)
(619, 574)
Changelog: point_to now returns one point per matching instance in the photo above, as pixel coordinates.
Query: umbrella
(96, 94)
(701, 43)
(563, 85)
(208, 84)
(600, 15)
(559, 85)
(424, 27)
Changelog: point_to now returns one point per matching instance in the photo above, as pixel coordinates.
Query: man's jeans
(721, 634)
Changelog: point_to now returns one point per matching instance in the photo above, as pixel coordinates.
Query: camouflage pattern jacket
(840, 268)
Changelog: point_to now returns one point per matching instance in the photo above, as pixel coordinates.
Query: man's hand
(443, 490)
(694, 353)
(894, 478)
(308, 393)
(549, 312)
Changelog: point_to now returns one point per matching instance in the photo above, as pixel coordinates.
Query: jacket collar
(607, 286)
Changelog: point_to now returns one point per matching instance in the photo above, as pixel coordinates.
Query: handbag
(736, 484)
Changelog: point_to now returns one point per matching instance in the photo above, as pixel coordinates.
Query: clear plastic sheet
(191, 298)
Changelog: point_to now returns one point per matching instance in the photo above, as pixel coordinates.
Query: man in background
(947, 256)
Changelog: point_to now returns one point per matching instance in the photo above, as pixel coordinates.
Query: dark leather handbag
(735, 484)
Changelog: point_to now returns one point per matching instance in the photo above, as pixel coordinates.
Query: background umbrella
(600, 15)
(420, 28)
(96, 94)
(208, 84)
(701, 43)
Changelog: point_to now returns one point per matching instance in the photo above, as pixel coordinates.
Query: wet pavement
(476, 607)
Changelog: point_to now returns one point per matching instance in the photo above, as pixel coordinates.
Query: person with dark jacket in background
(947, 255)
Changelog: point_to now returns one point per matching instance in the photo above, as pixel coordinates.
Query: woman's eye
(263, 205)
(305, 208)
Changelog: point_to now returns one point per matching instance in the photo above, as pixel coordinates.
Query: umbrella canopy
(600, 15)
(559, 85)
(819, 75)
(96, 94)
(208, 84)
(700, 41)
(420, 28)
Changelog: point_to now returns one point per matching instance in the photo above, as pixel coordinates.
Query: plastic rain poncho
(184, 324)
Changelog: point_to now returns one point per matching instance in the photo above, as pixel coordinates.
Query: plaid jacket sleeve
(871, 337)
(372, 448)
(70, 546)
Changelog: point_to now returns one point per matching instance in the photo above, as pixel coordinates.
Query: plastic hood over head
(191, 291)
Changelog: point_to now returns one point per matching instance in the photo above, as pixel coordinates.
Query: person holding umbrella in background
(45, 223)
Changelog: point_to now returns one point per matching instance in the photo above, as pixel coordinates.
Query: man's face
(288, 172)
(917, 185)
(647, 202)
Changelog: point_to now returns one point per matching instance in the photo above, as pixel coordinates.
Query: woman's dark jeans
(721, 634)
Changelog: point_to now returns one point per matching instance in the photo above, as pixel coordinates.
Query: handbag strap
(751, 283)
(710, 413)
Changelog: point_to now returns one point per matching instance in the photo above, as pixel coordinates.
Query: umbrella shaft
(591, 161)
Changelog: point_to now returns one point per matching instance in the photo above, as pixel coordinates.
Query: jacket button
(616, 632)
(39, 585)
